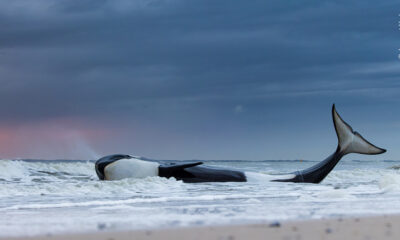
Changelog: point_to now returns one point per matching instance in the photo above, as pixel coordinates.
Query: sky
(183, 79)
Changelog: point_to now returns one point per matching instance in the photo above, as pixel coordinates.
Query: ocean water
(50, 197)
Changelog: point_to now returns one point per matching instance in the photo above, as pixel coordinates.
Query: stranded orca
(120, 166)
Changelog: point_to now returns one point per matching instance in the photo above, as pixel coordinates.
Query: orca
(119, 166)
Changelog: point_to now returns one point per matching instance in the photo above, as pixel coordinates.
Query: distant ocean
(50, 197)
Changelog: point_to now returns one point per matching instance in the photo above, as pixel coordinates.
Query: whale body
(119, 166)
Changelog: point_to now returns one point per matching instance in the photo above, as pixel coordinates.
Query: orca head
(104, 161)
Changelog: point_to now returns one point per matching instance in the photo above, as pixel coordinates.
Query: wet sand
(375, 227)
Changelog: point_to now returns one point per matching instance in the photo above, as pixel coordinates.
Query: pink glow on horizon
(65, 138)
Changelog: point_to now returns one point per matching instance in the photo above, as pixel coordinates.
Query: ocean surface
(39, 197)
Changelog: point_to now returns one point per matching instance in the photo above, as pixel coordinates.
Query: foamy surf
(39, 197)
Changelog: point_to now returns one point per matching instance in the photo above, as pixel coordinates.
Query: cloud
(239, 109)
(178, 61)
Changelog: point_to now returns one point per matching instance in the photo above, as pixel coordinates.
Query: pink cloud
(63, 138)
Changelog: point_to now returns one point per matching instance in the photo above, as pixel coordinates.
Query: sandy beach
(375, 227)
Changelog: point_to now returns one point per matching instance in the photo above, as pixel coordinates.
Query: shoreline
(370, 227)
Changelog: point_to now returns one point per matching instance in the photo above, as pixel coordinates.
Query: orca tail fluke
(350, 141)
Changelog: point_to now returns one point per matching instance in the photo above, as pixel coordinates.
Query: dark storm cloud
(85, 54)
(172, 61)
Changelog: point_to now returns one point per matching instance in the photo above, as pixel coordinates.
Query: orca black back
(193, 173)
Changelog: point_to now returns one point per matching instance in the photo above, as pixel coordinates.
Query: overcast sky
(182, 79)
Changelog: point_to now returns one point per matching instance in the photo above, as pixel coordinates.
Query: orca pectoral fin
(175, 170)
(188, 165)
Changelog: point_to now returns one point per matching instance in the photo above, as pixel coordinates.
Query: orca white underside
(130, 168)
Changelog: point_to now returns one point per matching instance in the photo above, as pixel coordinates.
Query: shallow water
(41, 197)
